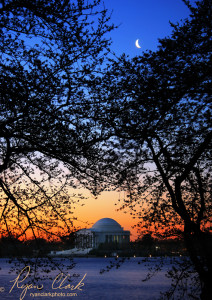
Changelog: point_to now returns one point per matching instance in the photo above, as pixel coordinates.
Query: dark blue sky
(146, 20)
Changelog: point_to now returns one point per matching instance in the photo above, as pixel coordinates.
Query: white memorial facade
(105, 230)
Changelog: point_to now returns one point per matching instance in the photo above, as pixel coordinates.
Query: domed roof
(106, 224)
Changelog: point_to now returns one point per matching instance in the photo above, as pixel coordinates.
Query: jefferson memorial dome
(106, 224)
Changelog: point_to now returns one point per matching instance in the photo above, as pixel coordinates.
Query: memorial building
(104, 231)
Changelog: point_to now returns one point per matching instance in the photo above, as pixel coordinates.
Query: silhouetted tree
(10, 246)
(147, 239)
(158, 108)
(50, 52)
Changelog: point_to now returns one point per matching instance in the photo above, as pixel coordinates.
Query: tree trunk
(206, 293)
(199, 246)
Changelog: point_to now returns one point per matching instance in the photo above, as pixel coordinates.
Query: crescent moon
(137, 44)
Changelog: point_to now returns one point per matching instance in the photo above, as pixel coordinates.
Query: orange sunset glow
(105, 206)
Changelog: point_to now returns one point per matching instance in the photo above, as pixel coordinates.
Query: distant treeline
(10, 246)
(147, 246)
